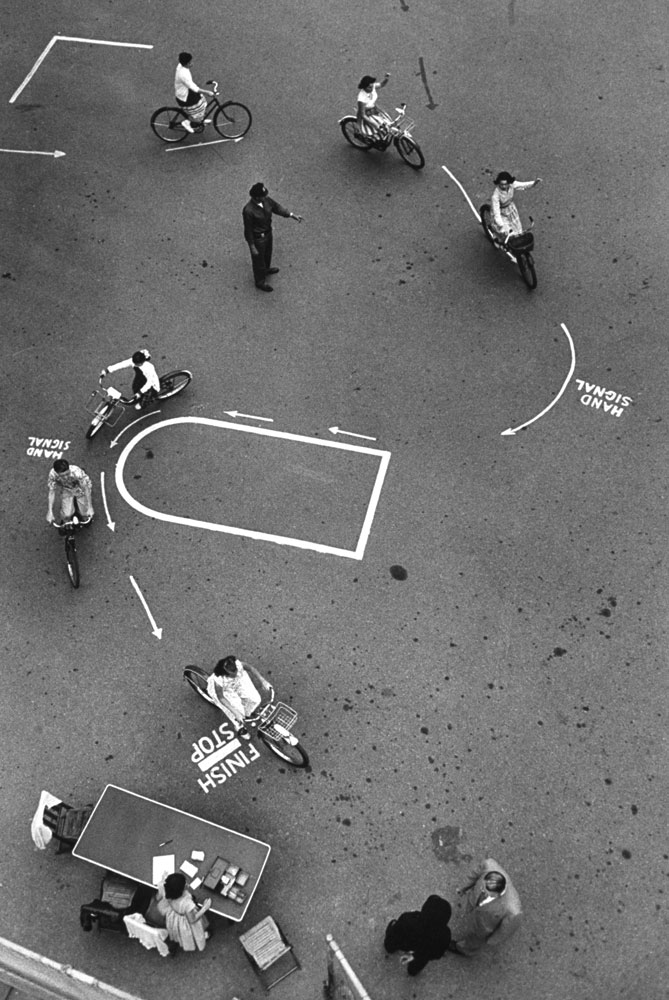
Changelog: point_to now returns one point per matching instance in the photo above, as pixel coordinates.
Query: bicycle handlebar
(121, 399)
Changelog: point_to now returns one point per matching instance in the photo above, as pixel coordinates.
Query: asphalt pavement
(474, 638)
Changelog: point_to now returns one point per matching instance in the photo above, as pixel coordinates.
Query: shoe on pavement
(452, 946)
(265, 287)
(272, 270)
(187, 125)
(244, 733)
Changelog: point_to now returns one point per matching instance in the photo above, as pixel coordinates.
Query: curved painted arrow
(512, 430)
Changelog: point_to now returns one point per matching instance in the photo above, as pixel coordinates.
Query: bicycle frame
(213, 103)
(395, 128)
(273, 718)
(68, 530)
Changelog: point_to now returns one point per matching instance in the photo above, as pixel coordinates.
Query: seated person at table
(185, 921)
(233, 691)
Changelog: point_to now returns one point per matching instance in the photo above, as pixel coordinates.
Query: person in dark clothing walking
(423, 934)
(257, 215)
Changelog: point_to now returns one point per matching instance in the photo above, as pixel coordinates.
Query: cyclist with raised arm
(187, 93)
(74, 485)
(234, 692)
(145, 380)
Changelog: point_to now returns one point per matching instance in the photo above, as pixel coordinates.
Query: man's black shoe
(265, 288)
(272, 270)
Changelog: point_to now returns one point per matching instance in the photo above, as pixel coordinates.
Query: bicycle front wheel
(167, 123)
(72, 561)
(232, 120)
(410, 152)
(173, 383)
(526, 265)
(98, 420)
(197, 678)
(296, 755)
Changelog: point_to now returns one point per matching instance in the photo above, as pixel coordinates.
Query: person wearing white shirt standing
(187, 93)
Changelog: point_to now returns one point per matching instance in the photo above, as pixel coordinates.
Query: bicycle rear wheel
(232, 120)
(72, 561)
(352, 134)
(410, 152)
(296, 755)
(98, 420)
(167, 123)
(197, 678)
(173, 383)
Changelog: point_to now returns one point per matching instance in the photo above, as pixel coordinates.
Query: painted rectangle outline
(357, 553)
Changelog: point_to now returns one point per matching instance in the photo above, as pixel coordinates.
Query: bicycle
(68, 530)
(107, 404)
(517, 248)
(231, 119)
(272, 720)
(397, 131)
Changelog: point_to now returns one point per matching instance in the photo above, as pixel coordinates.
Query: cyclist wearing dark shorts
(187, 93)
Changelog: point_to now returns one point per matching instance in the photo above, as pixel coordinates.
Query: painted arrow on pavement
(248, 416)
(338, 430)
(110, 524)
(512, 430)
(158, 632)
(34, 152)
(127, 427)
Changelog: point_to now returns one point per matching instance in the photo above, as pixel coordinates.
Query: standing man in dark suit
(423, 935)
(257, 215)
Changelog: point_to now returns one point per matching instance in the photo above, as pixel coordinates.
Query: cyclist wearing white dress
(506, 219)
(187, 93)
(233, 691)
(370, 118)
(145, 380)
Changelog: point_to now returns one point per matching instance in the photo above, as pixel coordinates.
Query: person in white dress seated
(372, 121)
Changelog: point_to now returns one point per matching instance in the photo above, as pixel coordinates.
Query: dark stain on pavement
(398, 573)
(446, 845)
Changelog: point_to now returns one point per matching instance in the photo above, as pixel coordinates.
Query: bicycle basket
(284, 715)
(521, 244)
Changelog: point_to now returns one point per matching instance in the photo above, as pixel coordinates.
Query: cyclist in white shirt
(145, 379)
(187, 93)
(234, 692)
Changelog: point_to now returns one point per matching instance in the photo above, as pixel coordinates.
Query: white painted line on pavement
(469, 201)
(510, 431)
(71, 38)
(357, 553)
(214, 142)
(35, 152)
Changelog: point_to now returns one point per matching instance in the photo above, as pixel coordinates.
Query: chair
(269, 952)
(119, 893)
(66, 824)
